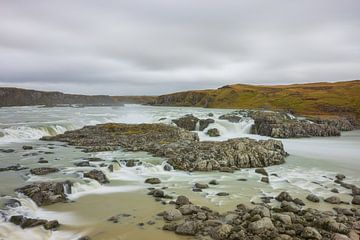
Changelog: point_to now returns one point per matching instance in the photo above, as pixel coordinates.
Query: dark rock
(222, 194)
(153, 181)
(16, 167)
(261, 171)
(313, 198)
(298, 201)
(334, 190)
(172, 215)
(167, 167)
(82, 164)
(97, 175)
(188, 228)
(204, 123)
(231, 117)
(7, 150)
(213, 132)
(284, 196)
(182, 200)
(132, 163)
(226, 169)
(340, 177)
(242, 179)
(12, 203)
(43, 170)
(333, 200)
(25, 222)
(187, 122)
(265, 179)
(46, 193)
(201, 185)
(214, 182)
(356, 200)
(25, 147)
(43, 161)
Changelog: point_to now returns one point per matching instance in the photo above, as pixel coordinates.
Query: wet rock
(82, 164)
(46, 193)
(201, 185)
(153, 181)
(214, 182)
(167, 167)
(313, 198)
(311, 233)
(158, 193)
(340, 177)
(25, 222)
(299, 202)
(222, 194)
(226, 169)
(213, 132)
(97, 175)
(170, 227)
(132, 163)
(26, 147)
(356, 200)
(187, 122)
(261, 171)
(16, 167)
(231, 117)
(284, 196)
(43, 170)
(114, 166)
(283, 218)
(188, 209)
(221, 232)
(262, 224)
(265, 179)
(334, 190)
(333, 200)
(12, 203)
(84, 238)
(289, 207)
(242, 179)
(204, 123)
(172, 215)
(7, 150)
(187, 228)
(43, 161)
(182, 200)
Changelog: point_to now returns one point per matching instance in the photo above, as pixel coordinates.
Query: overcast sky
(158, 46)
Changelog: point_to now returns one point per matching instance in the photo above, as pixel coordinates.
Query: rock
(46, 193)
(170, 226)
(167, 167)
(187, 228)
(356, 200)
(284, 196)
(226, 169)
(338, 236)
(43, 161)
(222, 194)
(299, 202)
(84, 238)
(261, 171)
(311, 233)
(12, 203)
(213, 132)
(334, 190)
(214, 182)
(131, 163)
(182, 200)
(158, 193)
(265, 179)
(114, 166)
(172, 215)
(231, 117)
(187, 122)
(43, 170)
(333, 200)
(262, 224)
(340, 177)
(97, 175)
(242, 179)
(188, 209)
(285, 219)
(261, 211)
(82, 164)
(25, 222)
(280, 125)
(16, 167)
(182, 148)
(25, 147)
(289, 207)
(153, 181)
(201, 185)
(210, 114)
(313, 198)
(7, 150)
(204, 123)
(221, 232)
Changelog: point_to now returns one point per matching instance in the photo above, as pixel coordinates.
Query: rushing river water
(311, 163)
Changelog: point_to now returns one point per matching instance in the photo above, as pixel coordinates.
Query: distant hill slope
(24, 97)
(307, 99)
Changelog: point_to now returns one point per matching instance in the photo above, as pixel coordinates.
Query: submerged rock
(180, 147)
(43, 170)
(46, 193)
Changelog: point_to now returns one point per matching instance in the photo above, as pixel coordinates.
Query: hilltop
(327, 99)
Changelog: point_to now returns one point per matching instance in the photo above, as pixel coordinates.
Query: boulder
(204, 123)
(26, 147)
(261, 171)
(153, 180)
(187, 228)
(333, 200)
(213, 132)
(187, 122)
(201, 185)
(182, 200)
(97, 175)
(262, 224)
(313, 198)
(340, 177)
(356, 200)
(231, 117)
(311, 233)
(221, 232)
(284, 196)
(43, 170)
(172, 215)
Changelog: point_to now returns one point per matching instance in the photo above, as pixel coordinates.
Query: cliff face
(23, 97)
(341, 98)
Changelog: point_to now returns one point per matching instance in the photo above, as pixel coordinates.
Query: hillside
(306, 99)
(24, 97)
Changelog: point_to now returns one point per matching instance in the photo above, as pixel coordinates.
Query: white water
(310, 160)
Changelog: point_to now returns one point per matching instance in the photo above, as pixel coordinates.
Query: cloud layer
(159, 46)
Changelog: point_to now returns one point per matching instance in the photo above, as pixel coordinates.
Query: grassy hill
(323, 98)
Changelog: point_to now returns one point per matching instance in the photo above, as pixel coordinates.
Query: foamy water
(311, 163)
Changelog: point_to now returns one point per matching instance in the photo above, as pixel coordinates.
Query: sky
(152, 47)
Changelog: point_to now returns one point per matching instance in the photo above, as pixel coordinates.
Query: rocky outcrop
(289, 221)
(180, 147)
(46, 193)
(24, 97)
(281, 125)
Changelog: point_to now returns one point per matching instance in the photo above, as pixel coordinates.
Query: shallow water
(312, 163)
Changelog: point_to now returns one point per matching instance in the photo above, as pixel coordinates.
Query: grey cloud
(159, 46)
